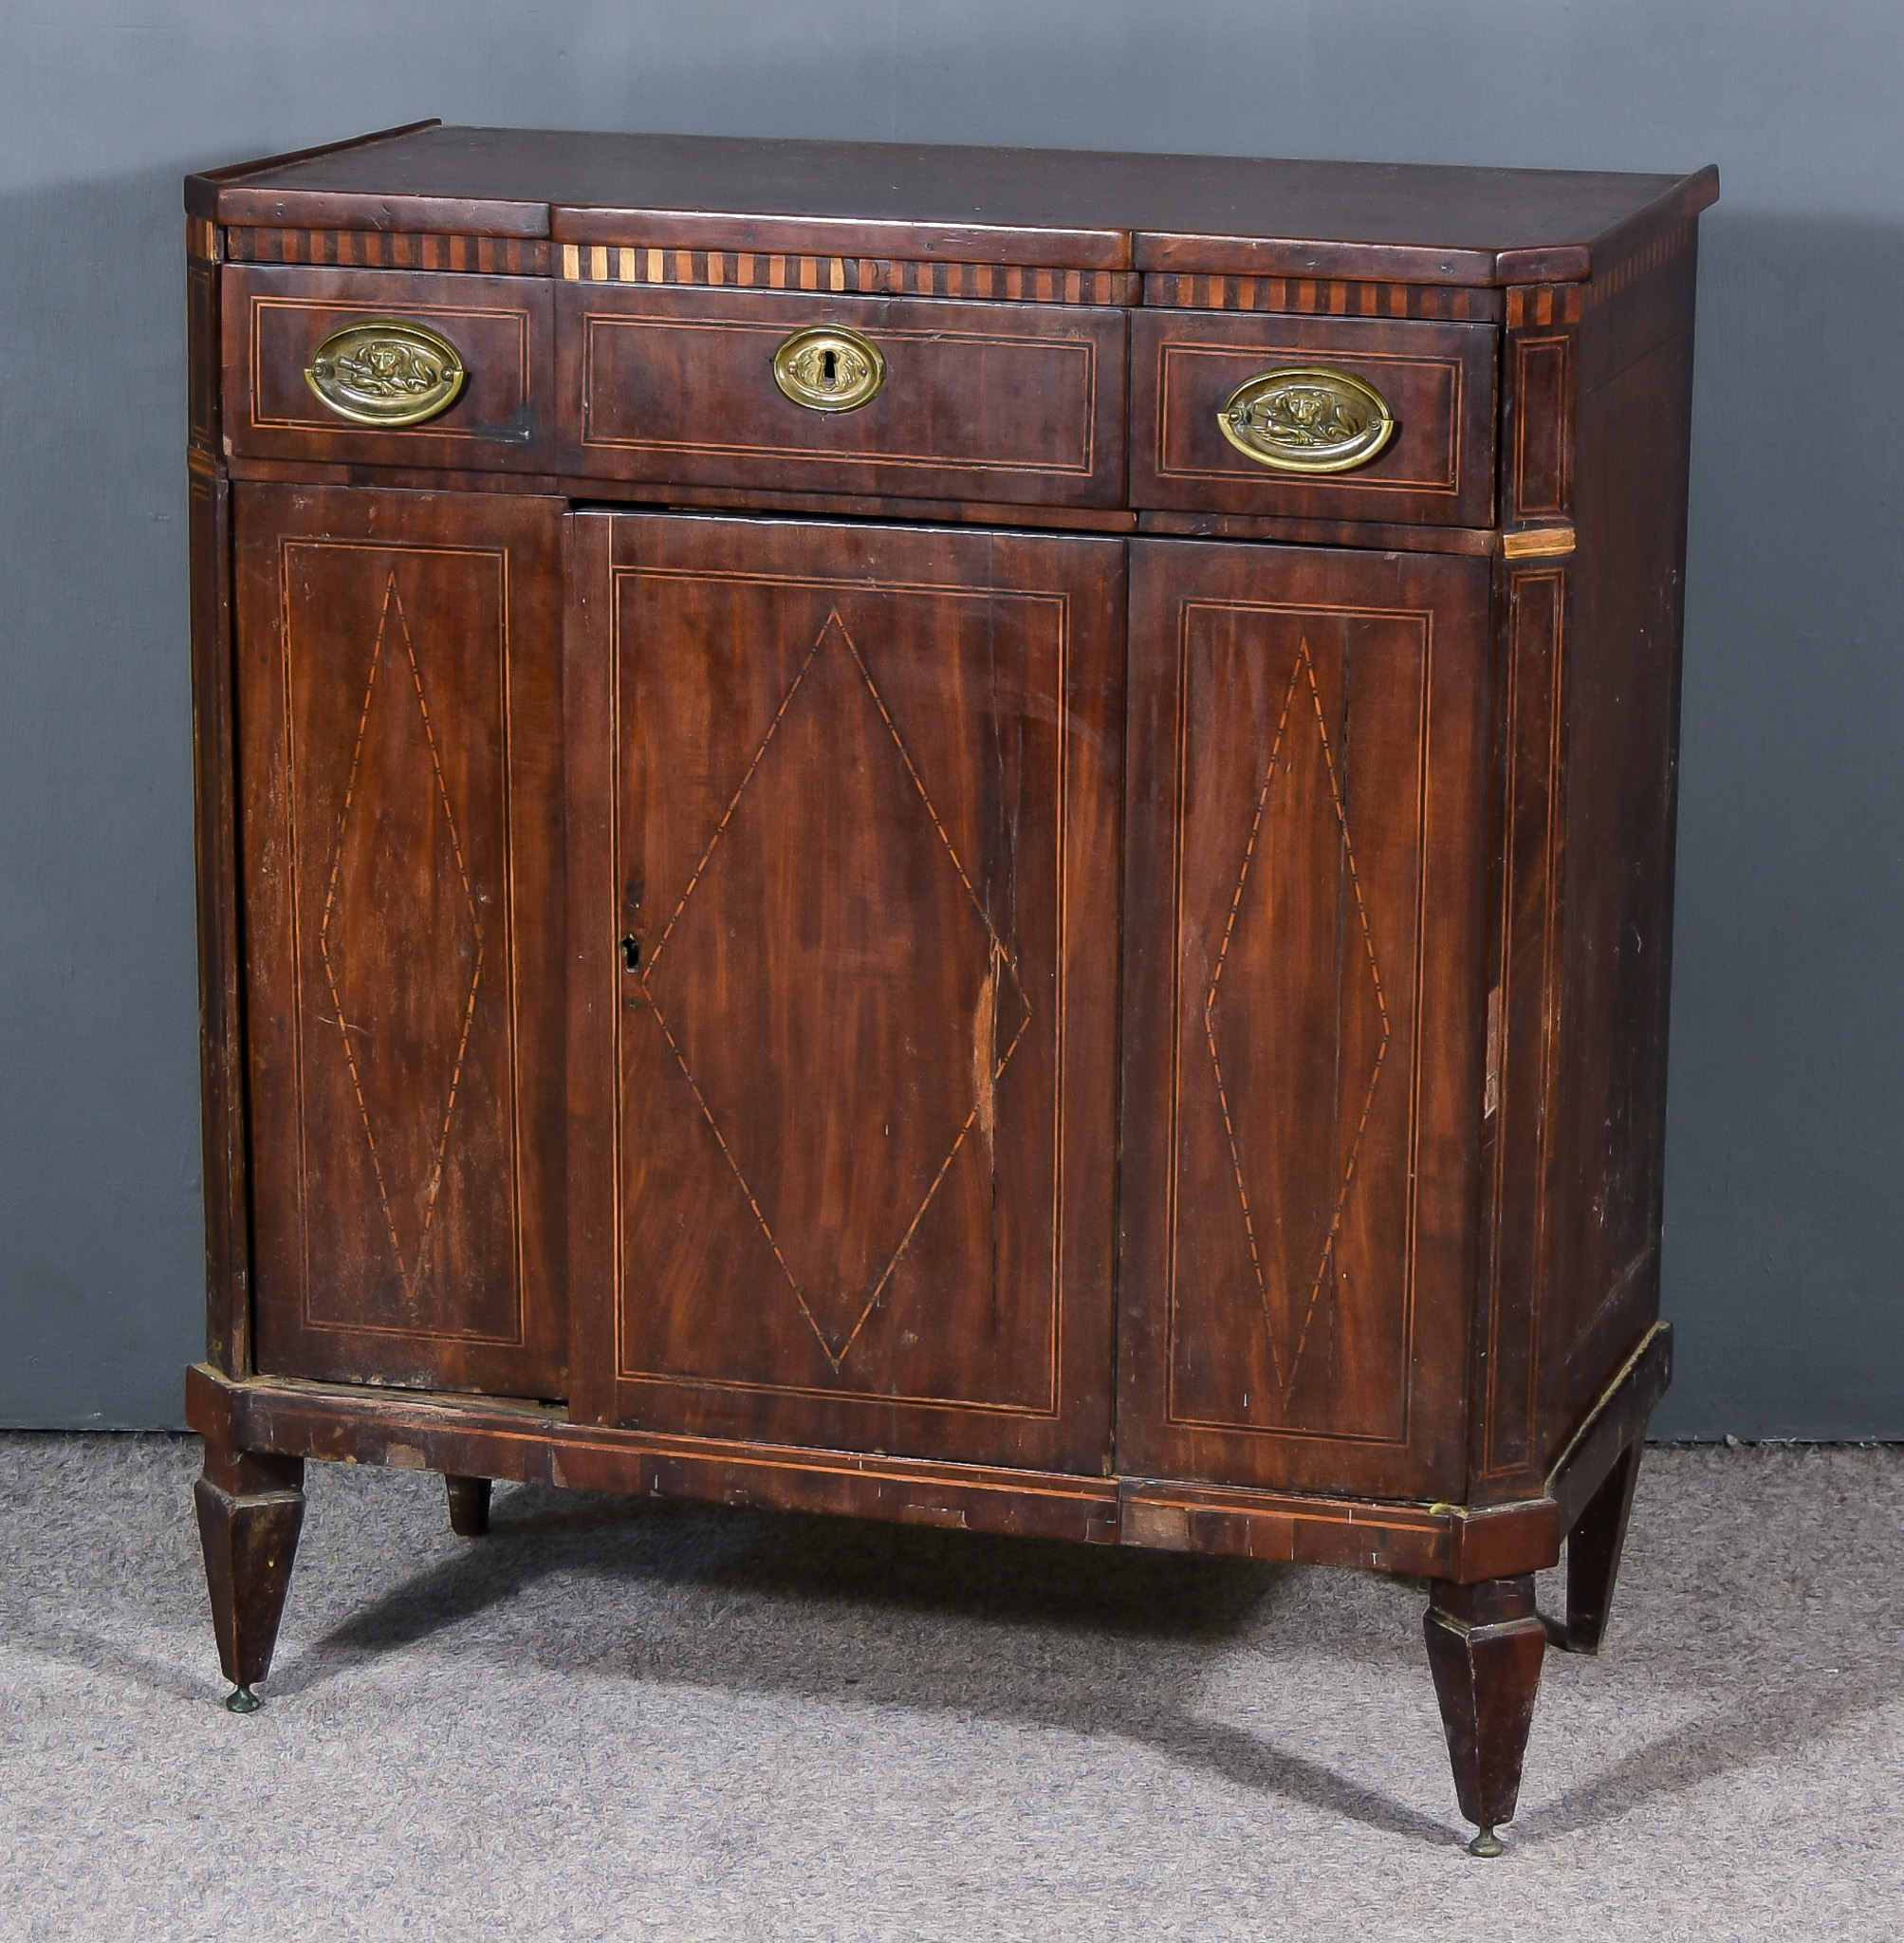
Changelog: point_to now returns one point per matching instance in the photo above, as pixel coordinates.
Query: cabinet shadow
(1103, 1642)
(1086, 1640)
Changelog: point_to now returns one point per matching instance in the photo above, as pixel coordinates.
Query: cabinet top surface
(1069, 207)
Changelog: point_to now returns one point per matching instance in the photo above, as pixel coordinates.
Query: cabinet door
(1303, 1014)
(399, 704)
(844, 814)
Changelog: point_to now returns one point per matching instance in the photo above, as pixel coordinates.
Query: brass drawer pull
(385, 371)
(1307, 419)
(829, 369)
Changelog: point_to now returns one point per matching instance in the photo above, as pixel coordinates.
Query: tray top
(1068, 208)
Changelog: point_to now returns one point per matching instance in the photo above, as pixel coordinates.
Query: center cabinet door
(844, 820)
(1303, 1023)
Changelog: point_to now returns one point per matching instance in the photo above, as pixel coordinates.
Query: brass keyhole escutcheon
(1307, 419)
(828, 368)
(386, 371)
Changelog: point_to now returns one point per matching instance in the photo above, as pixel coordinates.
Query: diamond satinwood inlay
(1321, 1085)
(835, 994)
(388, 934)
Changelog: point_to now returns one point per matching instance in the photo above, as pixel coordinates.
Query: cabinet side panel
(1523, 1017)
(227, 1243)
(399, 701)
(1607, 1106)
(221, 1028)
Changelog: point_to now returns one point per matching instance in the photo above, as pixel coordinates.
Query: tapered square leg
(251, 1509)
(1594, 1547)
(469, 1505)
(1485, 1646)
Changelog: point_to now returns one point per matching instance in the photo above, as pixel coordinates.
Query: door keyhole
(631, 955)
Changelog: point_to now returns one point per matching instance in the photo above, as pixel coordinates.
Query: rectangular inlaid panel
(400, 713)
(1438, 381)
(1542, 425)
(1014, 403)
(840, 940)
(1301, 1098)
(276, 318)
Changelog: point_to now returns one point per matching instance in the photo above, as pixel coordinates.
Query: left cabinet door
(399, 706)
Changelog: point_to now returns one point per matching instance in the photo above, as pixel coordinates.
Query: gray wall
(1783, 1190)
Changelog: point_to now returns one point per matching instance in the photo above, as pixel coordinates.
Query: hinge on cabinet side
(1490, 1096)
(1537, 542)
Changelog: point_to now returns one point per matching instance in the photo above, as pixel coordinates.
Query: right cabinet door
(1304, 1014)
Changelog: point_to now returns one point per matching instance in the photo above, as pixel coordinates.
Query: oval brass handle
(1307, 419)
(386, 371)
(829, 369)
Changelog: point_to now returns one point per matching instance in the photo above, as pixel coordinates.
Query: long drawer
(1014, 403)
(1313, 418)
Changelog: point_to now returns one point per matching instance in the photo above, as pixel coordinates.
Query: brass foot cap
(1487, 1843)
(242, 1700)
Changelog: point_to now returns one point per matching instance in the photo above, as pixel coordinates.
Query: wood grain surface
(1586, 756)
(1193, 214)
(845, 815)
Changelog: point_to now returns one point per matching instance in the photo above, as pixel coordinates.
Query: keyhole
(631, 955)
(830, 365)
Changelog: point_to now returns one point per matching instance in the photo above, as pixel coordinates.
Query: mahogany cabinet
(962, 836)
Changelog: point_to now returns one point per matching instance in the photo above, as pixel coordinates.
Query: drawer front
(1435, 379)
(284, 323)
(1005, 402)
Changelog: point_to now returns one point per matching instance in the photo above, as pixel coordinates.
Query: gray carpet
(616, 1720)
